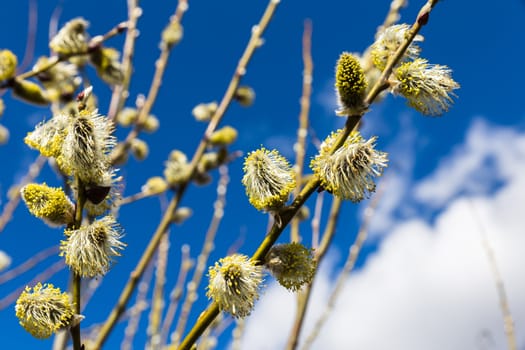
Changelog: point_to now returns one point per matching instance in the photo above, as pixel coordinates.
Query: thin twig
(135, 197)
(237, 334)
(10, 207)
(54, 60)
(202, 260)
(176, 293)
(120, 92)
(220, 327)
(53, 21)
(31, 35)
(353, 254)
(160, 68)
(393, 15)
(508, 322)
(89, 290)
(302, 131)
(28, 264)
(43, 276)
(157, 300)
(207, 316)
(135, 312)
(316, 219)
(304, 296)
(76, 279)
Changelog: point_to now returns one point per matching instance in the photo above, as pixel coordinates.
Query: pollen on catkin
(389, 41)
(72, 38)
(48, 203)
(291, 264)
(349, 172)
(234, 283)
(48, 137)
(427, 87)
(43, 310)
(89, 250)
(268, 179)
(350, 84)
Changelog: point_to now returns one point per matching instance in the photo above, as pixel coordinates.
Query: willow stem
(75, 330)
(304, 296)
(120, 93)
(508, 321)
(53, 61)
(353, 254)
(76, 279)
(160, 68)
(206, 250)
(302, 131)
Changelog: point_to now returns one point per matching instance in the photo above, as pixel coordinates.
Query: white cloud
(429, 284)
(475, 165)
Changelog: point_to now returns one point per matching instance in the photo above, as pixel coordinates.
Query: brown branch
(10, 207)
(120, 92)
(176, 293)
(28, 264)
(304, 296)
(202, 260)
(31, 35)
(302, 131)
(508, 322)
(353, 254)
(160, 68)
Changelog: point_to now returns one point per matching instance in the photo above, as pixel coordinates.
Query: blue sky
(423, 282)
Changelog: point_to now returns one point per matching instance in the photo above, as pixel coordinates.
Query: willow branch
(393, 14)
(28, 264)
(94, 43)
(302, 131)
(304, 296)
(14, 193)
(353, 254)
(157, 300)
(120, 93)
(207, 247)
(76, 279)
(32, 22)
(176, 293)
(316, 219)
(508, 322)
(160, 68)
(134, 313)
